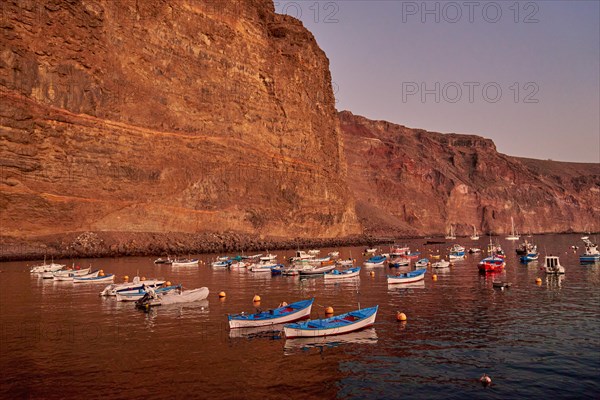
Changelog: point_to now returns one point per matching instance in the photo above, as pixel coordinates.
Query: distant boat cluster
(148, 293)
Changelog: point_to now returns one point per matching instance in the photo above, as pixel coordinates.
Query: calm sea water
(60, 340)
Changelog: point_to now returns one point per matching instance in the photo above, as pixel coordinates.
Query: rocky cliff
(414, 182)
(167, 116)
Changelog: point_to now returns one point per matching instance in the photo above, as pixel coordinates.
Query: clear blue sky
(391, 59)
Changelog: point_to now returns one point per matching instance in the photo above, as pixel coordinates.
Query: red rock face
(413, 182)
(156, 116)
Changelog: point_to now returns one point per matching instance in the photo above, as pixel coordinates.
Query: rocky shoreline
(120, 244)
(123, 244)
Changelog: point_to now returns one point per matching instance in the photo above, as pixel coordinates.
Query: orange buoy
(168, 283)
(143, 278)
(222, 294)
(485, 380)
(400, 316)
(372, 273)
(126, 278)
(434, 277)
(329, 311)
(256, 298)
(538, 281)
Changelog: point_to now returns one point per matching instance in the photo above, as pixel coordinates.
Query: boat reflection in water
(267, 331)
(554, 281)
(297, 345)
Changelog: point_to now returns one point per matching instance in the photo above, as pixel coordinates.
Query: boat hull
(297, 332)
(343, 274)
(94, 279)
(406, 278)
(235, 322)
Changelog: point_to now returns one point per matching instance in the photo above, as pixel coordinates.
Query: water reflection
(300, 345)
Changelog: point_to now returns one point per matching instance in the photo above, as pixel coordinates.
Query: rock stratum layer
(167, 116)
(415, 182)
(132, 127)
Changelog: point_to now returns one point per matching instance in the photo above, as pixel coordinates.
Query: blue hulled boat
(286, 313)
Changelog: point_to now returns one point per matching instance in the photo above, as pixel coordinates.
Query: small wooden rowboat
(408, 277)
(375, 261)
(348, 273)
(343, 323)
(94, 279)
(288, 313)
(134, 295)
(318, 270)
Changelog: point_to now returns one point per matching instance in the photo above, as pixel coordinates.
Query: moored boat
(399, 250)
(491, 264)
(457, 252)
(513, 235)
(529, 257)
(185, 262)
(94, 279)
(318, 270)
(552, 265)
(160, 260)
(153, 298)
(440, 264)
(42, 268)
(343, 274)
(136, 284)
(375, 261)
(336, 325)
(474, 236)
(286, 313)
(408, 277)
(399, 262)
(422, 263)
(133, 295)
(591, 254)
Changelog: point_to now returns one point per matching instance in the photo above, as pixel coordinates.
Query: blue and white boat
(339, 324)
(457, 252)
(343, 274)
(408, 277)
(222, 263)
(286, 313)
(133, 295)
(99, 278)
(591, 255)
(422, 263)
(533, 256)
(137, 284)
(375, 261)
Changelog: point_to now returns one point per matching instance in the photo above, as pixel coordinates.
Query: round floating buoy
(354, 260)
(168, 283)
(372, 273)
(329, 311)
(256, 298)
(538, 281)
(434, 277)
(101, 273)
(222, 294)
(143, 278)
(126, 278)
(485, 380)
(400, 316)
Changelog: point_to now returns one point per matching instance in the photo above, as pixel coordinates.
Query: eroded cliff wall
(167, 116)
(415, 182)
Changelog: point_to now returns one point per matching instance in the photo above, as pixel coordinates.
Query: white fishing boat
(269, 257)
(552, 266)
(301, 255)
(399, 250)
(42, 268)
(345, 263)
(185, 263)
(136, 284)
(334, 254)
(314, 252)
(474, 250)
(513, 235)
(134, 295)
(262, 267)
(239, 265)
(422, 263)
(153, 298)
(72, 272)
(450, 235)
(372, 250)
(318, 270)
(440, 264)
(343, 274)
(375, 261)
(474, 236)
(94, 279)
